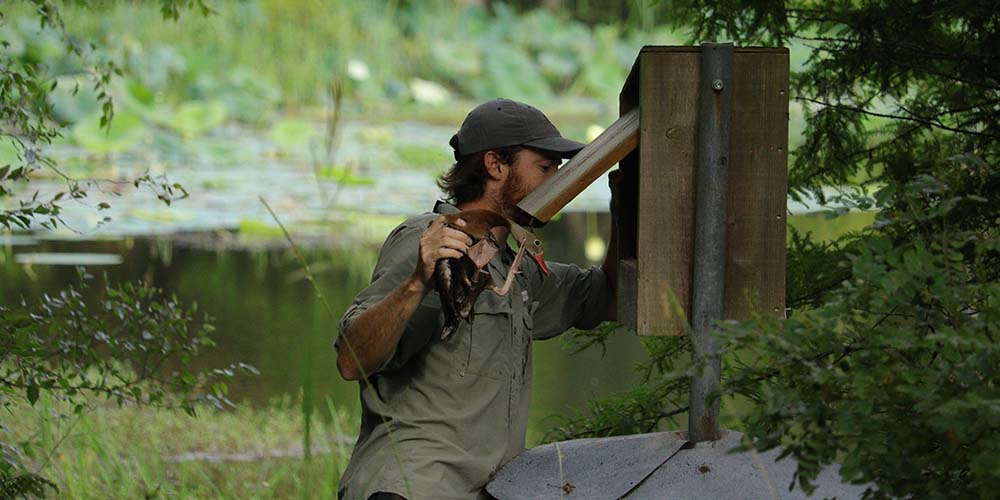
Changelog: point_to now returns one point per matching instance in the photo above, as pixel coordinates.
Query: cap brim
(565, 147)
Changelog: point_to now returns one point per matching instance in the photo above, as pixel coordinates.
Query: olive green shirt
(458, 408)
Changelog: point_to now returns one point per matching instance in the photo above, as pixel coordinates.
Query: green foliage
(26, 485)
(40, 89)
(888, 360)
(660, 397)
(290, 134)
(125, 131)
(195, 118)
(64, 346)
(130, 452)
(424, 155)
(129, 345)
(900, 361)
(118, 346)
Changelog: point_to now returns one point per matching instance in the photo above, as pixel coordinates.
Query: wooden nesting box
(656, 143)
(656, 219)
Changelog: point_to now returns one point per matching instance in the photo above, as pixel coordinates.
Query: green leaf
(344, 176)
(73, 99)
(291, 134)
(126, 131)
(33, 393)
(194, 118)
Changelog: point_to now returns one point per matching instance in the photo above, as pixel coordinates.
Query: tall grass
(130, 452)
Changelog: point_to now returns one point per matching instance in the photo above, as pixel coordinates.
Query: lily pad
(422, 155)
(557, 67)
(344, 176)
(375, 135)
(512, 74)
(126, 130)
(457, 61)
(259, 229)
(9, 153)
(162, 215)
(290, 134)
(194, 118)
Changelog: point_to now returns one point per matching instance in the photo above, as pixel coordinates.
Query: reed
(130, 452)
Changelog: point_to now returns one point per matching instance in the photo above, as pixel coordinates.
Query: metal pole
(716, 88)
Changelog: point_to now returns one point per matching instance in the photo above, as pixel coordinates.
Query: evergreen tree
(888, 361)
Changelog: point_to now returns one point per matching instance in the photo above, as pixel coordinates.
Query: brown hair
(466, 180)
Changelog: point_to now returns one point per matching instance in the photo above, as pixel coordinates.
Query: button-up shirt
(441, 415)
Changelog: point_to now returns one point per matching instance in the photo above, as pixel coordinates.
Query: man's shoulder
(413, 224)
(404, 236)
(419, 220)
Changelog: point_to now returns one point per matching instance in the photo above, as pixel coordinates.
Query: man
(439, 416)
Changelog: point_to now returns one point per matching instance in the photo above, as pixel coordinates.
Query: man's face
(529, 171)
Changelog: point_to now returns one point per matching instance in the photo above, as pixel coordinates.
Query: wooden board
(586, 166)
(758, 185)
(665, 80)
(668, 154)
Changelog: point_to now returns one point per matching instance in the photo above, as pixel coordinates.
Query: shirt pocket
(483, 347)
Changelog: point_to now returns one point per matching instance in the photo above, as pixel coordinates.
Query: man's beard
(511, 193)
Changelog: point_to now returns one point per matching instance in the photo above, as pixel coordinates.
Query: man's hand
(616, 184)
(374, 334)
(439, 241)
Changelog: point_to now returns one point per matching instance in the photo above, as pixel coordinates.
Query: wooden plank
(589, 164)
(758, 166)
(667, 159)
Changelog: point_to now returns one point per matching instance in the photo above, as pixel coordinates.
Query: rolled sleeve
(396, 262)
(570, 297)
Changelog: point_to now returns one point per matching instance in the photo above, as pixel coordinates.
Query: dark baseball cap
(502, 122)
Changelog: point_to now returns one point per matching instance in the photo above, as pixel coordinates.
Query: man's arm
(371, 338)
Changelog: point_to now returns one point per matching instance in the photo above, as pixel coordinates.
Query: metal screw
(716, 84)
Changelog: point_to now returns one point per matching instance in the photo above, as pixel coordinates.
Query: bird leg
(510, 272)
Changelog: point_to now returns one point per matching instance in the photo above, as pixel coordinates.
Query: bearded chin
(511, 193)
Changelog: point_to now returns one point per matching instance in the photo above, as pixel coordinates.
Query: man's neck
(483, 203)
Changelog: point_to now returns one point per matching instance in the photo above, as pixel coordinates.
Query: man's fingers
(458, 235)
(448, 253)
(454, 243)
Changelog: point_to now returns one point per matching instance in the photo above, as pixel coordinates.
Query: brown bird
(459, 281)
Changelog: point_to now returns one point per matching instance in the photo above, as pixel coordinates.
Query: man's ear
(494, 167)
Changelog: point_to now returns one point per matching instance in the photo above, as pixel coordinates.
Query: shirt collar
(443, 207)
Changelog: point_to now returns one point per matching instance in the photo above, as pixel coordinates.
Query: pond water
(266, 313)
(220, 248)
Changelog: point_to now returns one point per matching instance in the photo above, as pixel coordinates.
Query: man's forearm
(373, 335)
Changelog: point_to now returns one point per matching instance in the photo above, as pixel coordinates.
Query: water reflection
(266, 312)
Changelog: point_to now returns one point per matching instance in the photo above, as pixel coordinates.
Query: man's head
(503, 151)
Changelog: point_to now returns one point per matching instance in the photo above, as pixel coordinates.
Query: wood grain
(667, 87)
(668, 154)
(758, 185)
(590, 163)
